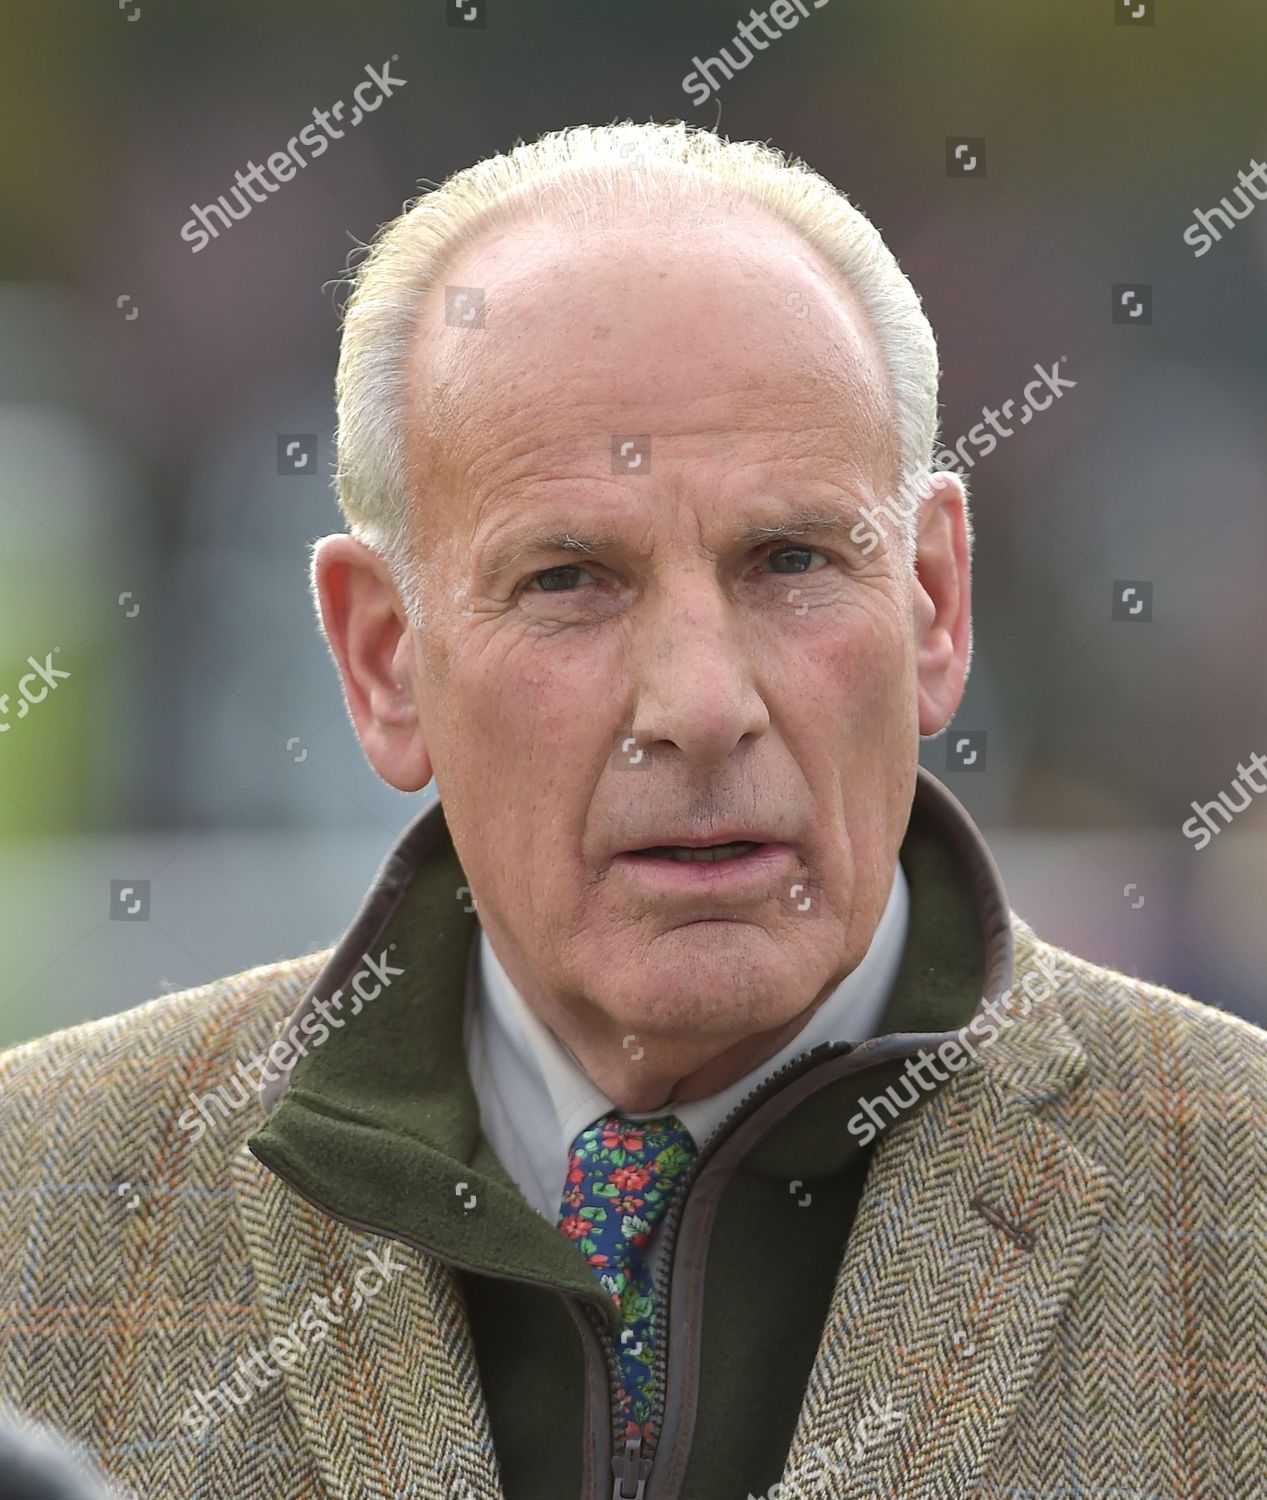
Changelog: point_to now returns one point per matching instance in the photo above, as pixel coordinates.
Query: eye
(797, 553)
(557, 580)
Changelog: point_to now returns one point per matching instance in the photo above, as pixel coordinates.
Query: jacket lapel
(976, 1218)
(389, 1398)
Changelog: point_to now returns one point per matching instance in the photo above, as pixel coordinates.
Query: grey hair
(589, 164)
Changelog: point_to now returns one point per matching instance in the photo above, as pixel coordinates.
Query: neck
(632, 1089)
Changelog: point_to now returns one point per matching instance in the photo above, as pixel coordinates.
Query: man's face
(686, 681)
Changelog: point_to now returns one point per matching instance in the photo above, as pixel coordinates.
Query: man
(684, 1113)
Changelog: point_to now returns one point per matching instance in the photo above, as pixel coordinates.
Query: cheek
(856, 672)
(539, 713)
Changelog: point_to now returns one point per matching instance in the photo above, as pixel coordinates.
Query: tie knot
(620, 1179)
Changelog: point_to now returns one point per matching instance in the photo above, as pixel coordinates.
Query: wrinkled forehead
(723, 336)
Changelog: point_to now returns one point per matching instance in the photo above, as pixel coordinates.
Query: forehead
(728, 341)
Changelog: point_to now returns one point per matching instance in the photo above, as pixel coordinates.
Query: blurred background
(190, 798)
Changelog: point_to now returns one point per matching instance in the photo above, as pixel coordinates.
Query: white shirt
(535, 1098)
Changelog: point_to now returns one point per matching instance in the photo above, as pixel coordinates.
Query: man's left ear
(943, 602)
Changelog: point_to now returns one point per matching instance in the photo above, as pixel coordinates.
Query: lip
(746, 874)
(704, 840)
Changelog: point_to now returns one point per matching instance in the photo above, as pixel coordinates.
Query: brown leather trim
(598, 1410)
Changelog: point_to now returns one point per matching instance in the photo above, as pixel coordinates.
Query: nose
(696, 680)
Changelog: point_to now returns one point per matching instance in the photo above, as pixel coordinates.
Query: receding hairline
(435, 383)
(588, 175)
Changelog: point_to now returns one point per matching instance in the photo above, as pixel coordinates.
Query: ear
(372, 642)
(943, 602)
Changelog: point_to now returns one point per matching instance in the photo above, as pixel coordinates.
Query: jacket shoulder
(126, 1072)
(1115, 1013)
(125, 1280)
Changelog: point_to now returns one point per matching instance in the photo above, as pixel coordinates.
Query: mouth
(698, 854)
(746, 868)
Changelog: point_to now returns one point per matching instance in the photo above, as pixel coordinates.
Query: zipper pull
(630, 1470)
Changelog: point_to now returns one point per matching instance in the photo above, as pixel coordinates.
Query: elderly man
(684, 1115)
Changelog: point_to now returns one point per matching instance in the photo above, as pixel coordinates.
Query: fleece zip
(379, 1127)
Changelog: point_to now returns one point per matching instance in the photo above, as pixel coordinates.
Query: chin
(710, 979)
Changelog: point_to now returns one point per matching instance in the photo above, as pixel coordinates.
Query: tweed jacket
(1054, 1286)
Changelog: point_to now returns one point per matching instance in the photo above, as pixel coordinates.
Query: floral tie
(620, 1181)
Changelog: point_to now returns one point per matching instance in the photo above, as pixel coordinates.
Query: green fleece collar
(378, 1122)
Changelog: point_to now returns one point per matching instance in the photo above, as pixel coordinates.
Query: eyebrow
(805, 523)
(801, 523)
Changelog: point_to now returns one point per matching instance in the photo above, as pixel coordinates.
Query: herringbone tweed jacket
(1096, 1326)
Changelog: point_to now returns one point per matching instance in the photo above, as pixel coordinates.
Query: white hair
(581, 170)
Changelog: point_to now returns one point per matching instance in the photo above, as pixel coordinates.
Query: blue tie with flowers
(620, 1180)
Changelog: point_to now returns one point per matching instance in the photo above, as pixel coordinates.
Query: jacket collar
(392, 1083)
(378, 1123)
